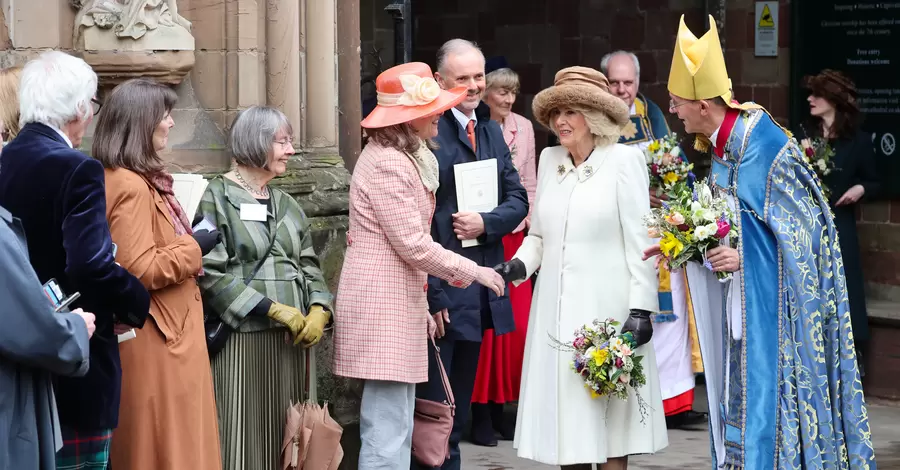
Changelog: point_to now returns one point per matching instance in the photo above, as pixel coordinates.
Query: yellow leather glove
(288, 316)
(315, 326)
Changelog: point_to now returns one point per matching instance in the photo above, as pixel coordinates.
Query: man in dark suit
(58, 194)
(467, 134)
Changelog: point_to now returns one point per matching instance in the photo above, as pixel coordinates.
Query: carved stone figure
(122, 39)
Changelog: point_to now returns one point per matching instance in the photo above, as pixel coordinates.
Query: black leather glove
(640, 326)
(512, 270)
(207, 240)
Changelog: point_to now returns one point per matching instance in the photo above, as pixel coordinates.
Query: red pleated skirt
(500, 364)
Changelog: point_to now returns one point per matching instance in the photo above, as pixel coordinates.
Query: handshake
(304, 329)
(512, 270)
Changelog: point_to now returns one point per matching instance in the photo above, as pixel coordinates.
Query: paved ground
(689, 450)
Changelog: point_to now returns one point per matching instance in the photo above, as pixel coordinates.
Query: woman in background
(259, 373)
(834, 115)
(167, 414)
(9, 103)
(500, 362)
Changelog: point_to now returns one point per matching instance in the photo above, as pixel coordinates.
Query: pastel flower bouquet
(606, 362)
(820, 156)
(689, 224)
(667, 164)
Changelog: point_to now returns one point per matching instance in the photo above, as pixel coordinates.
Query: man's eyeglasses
(673, 106)
(96, 104)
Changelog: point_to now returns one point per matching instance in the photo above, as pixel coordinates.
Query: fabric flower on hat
(418, 91)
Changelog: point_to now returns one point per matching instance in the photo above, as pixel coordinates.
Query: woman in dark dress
(834, 115)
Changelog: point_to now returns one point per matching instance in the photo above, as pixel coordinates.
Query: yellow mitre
(698, 67)
(698, 71)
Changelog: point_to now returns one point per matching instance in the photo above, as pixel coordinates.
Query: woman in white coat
(587, 236)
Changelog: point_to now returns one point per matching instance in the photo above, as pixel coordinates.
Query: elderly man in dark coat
(58, 194)
(467, 134)
(35, 342)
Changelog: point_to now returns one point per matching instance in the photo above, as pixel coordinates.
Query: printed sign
(766, 29)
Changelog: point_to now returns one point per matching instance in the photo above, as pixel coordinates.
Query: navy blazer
(58, 194)
(465, 305)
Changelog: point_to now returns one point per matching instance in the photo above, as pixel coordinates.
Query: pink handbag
(433, 422)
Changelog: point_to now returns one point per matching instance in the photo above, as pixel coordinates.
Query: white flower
(610, 330)
(704, 195)
(629, 365)
(418, 91)
(822, 165)
(702, 232)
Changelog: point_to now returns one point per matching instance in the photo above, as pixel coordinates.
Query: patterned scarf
(427, 166)
(163, 182)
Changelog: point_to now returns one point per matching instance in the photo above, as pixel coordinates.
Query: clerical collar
(715, 135)
(633, 109)
(463, 119)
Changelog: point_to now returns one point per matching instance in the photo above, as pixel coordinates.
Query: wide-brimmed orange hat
(407, 92)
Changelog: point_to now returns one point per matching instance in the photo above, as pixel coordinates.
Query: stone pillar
(349, 99)
(321, 74)
(284, 68)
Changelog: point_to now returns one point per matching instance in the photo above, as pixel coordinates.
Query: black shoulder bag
(217, 331)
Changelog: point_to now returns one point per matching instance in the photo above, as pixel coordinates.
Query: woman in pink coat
(381, 321)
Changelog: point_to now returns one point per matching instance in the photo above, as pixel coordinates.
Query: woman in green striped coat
(279, 312)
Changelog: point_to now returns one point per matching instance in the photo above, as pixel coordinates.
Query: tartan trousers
(84, 450)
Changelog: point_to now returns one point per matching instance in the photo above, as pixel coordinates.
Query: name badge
(254, 212)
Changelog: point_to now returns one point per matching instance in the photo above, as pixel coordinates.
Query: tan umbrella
(312, 439)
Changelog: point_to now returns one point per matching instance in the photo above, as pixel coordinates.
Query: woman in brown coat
(167, 416)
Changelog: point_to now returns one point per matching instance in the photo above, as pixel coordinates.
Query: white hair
(454, 46)
(604, 63)
(56, 88)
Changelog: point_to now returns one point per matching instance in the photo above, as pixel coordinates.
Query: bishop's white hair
(56, 88)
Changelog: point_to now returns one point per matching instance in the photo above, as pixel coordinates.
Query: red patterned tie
(470, 133)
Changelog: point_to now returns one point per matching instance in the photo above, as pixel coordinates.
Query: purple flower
(620, 363)
(707, 264)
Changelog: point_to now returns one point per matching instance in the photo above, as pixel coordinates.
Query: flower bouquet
(820, 156)
(606, 361)
(667, 164)
(690, 223)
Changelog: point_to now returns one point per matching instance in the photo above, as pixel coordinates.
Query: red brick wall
(539, 37)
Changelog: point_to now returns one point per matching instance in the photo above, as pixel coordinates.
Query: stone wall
(247, 52)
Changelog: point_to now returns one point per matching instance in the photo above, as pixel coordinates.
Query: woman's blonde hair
(604, 130)
(9, 99)
(504, 78)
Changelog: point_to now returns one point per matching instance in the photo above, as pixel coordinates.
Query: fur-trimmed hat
(580, 87)
(834, 86)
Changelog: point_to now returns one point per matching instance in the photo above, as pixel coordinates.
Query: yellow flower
(670, 177)
(600, 355)
(653, 146)
(671, 247)
(594, 394)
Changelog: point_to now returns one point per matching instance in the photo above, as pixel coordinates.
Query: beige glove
(288, 316)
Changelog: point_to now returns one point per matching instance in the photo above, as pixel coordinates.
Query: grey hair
(253, 134)
(454, 46)
(56, 88)
(604, 63)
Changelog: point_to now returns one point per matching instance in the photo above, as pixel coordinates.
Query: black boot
(482, 428)
(505, 427)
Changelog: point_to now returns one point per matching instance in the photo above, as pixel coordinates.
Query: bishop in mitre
(776, 340)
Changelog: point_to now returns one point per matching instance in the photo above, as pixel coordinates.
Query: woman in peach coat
(167, 414)
(382, 321)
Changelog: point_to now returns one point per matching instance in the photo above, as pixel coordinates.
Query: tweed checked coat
(380, 322)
